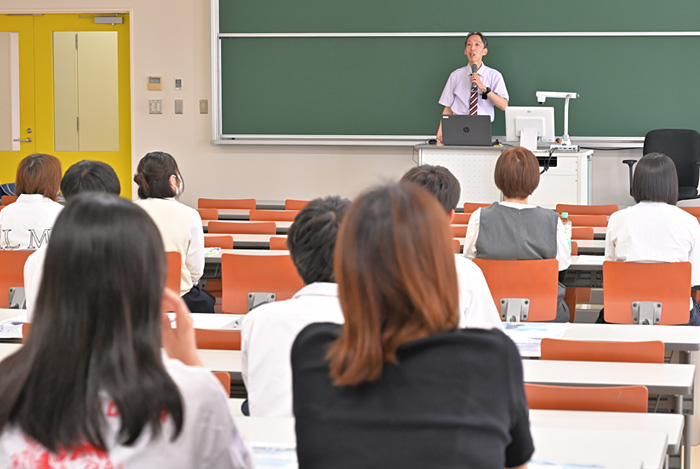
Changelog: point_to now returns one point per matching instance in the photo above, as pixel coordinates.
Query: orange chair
(694, 211)
(666, 283)
(292, 204)
(243, 204)
(245, 273)
(587, 209)
(218, 241)
(574, 296)
(534, 280)
(26, 327)
(218, 339)
(456, 246)
(208, 213)
(458, 231)
(273, 215)
(278, 243)
(592, 351)
(242, 227)
(225, 380)
(582, 232)
(461, 218)
(11, 272)
(8, 199)
(588, 220)
(605, 399)
(172, 280)
(470, 207)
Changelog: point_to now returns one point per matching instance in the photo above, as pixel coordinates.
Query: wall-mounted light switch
(203, 106)
(178, 106)
(155, 106)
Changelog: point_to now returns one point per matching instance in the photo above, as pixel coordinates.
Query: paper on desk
(268, 455)
(210, 321)
(12, 328)
(528, 335)
(596, 260)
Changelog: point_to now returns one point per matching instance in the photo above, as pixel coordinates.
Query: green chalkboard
(391, 85)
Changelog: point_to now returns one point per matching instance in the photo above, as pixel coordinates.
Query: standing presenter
(476, 88)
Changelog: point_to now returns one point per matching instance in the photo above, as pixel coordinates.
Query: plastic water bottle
(567, 227)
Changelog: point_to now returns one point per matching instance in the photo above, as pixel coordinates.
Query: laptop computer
(466, 130)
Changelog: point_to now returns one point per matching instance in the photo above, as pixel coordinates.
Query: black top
(455, 400)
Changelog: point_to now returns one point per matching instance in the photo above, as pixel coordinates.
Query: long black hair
(96, 333)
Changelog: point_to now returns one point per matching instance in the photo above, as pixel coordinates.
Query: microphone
(474, 69)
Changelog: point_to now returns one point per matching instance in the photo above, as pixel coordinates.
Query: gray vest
(517, 234)
(508, 233)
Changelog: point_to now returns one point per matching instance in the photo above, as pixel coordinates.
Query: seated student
(90, 387)
(27, 223)
(399, 384)
(160, 184)
(83, 176)
(655, 230)
(477, 308)
(269, 330)
(514, 229)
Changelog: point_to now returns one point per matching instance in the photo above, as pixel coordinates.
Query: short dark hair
(311, 238)
(476, 33)
(88, 175)
(153, 175)
(437, 180)
(38, 174)
(655, 179)
(103, 337)
(517, 173)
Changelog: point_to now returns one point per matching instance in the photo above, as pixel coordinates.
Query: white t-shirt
(563, 253)
(267, 335)
(209, 438)
(654, 232)
(27, 223)
(33, 270)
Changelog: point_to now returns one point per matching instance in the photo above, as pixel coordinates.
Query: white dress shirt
(476, 305)
(563, 252)
(457, 90)
(27, 223)
(654, 232)
(267, 335)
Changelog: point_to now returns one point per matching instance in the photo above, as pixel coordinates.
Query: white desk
(567, 183)
(282, 226)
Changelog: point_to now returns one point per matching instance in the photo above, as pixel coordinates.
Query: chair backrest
(218, 339)
(293, 204)
(225, 380)
(470, 207)
(582, 232)
(172, 280)
(8, 199)
(26, 327)
(574, 248)
(242, 227)
(456, 246)
(592, 351)
(218, 241)
(245, 273)
(627, 282)
(588, 220)
(279, 243)
(605, 399)
(536, 280)
(11, 272)
(683, 147)
(694, 211)
(575, 209)
(208, 213)
(243, 204)
(273, 215)
(461, 218)
(458, 231)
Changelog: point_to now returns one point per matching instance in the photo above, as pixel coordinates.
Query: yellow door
(74, 95)
(83, 101)
(16, 92)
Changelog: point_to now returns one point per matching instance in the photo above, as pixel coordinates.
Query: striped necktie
(473, 100)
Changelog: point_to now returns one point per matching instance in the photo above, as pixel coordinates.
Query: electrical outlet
(203, 106)
(155, 106)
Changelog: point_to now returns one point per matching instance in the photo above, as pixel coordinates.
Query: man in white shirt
(268, 331)
(486, 82)
(477, 308)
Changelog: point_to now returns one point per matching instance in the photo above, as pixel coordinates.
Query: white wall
(170, 38)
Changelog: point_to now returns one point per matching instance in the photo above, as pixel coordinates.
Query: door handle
(28, 139)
